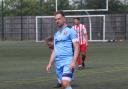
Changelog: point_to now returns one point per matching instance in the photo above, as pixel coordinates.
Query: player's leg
(58, 83)
(79, 62)
(83, 53)
(67, 77)
(59, 76)
(66, 84)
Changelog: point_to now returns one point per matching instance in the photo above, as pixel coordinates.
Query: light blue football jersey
(63, 43)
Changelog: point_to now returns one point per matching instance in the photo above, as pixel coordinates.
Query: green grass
(22, 66)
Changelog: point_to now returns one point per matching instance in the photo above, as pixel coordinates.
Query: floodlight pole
(106, 5)
(56, 5)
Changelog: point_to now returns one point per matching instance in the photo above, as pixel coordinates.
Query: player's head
(77, 21)
(49, 42)
(60, 18)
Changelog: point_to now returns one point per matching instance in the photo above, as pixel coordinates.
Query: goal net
(95, 25)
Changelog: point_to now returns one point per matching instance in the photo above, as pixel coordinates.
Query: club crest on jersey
(65, 33)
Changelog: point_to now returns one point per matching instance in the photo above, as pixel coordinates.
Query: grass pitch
(22, 66)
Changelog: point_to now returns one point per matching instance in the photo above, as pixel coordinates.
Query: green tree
(89, 4)
(96, 4)
(64, 4)
(116, 6)
(48, 7)
(28, 7)
(18, 7)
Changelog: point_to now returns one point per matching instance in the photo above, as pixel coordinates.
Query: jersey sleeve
(73, 35)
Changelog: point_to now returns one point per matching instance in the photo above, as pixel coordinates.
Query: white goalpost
(80, 16)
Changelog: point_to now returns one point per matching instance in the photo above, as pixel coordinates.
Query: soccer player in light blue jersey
(66, 51)
(50, 43)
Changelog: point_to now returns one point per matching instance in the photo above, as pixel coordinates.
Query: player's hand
(48, 68)
(72, 65)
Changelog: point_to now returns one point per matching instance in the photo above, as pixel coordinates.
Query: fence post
(125, 26)
(41, 20)
(2, 15)
(21, 20)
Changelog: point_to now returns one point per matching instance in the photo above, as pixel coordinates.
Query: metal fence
(117, 26)
(17, 28)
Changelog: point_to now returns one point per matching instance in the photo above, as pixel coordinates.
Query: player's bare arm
(85, 35)
(86, 38)
(51, 61)
(76, 53)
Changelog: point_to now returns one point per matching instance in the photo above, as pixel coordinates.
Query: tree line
(47, 7)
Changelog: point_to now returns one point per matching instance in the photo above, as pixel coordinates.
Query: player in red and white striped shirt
(83, 41)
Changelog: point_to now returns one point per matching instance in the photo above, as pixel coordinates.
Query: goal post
(92, 33)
